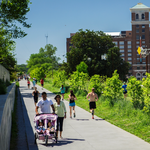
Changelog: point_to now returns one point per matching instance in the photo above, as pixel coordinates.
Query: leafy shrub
(97, 82)
(81, 92)
(146, 92)
(136, 92)
(3, 88)
(78, 80)
(113, 90)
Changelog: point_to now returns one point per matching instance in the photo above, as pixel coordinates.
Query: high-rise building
(129, 41)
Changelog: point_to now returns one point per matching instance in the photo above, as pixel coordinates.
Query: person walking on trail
(34, 82)
(35, 94)
(93, 97)
(124, 89)
(60, 110)
(42, 83)
(44, 105)
(72, 99)
(28, 83)
(62, 91)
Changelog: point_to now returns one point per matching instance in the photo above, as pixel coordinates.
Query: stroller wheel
(46, 140)
(35, 137)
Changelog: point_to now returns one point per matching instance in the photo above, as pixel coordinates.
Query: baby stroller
(44, 134)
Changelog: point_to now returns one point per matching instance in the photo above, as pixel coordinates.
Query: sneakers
(92, 117)
(74, 115)
(70, 117)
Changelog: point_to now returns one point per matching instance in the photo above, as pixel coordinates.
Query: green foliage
(11, 13)
(59, 78)
(78, 80)
(136, 92)
(97, 82)
(3, 87)
(22, 68)
(146, 92)
(82, 67)
(88, 46)
(45, 55)
(112, 89)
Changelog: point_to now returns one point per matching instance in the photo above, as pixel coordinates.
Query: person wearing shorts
(34, 82)
(92, 104)
(62, 91)
(72, 99)
(124, 89)
(35, 95)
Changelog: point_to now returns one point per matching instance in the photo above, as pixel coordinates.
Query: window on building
(143, 74)
(144, 58)
(137, 26)
(143, 26)
(138, 67)
(129, 50)
(121, 51)
(138, 78)
(137, 16)
(138, 62)
(143, 62)
(143, 30)
(129, 42)
(143, 37)
(123, 58)
(130, 68)
(138, 58)
(143, 46)
(137, 30)
(129, 46)
(143, 42)
(129, 54)
(137, 46)
(143, 16)
(137, 55)
(130, 62)
(121, 47)
(137, 37)
(121, 43)
(122, 55)
(144, 67)
(137, 42)
(116, 43)
(129, 33)
(129, 58)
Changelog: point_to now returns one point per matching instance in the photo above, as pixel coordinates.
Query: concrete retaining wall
(4, 73)
(6, 108)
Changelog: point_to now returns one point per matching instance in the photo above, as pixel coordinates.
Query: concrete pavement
(81, 133)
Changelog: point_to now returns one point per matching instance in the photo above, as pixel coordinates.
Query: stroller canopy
(45, 116)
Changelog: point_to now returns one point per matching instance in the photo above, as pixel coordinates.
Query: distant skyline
(59, 18)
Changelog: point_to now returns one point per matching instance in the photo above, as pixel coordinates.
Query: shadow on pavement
(99, 119)
(28, 127)
(82, 119)
(62, 142)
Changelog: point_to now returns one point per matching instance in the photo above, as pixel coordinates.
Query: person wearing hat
(124, 89)
(60, 110)
(93, 97)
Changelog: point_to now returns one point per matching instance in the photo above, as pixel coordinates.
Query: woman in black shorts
(35, 95)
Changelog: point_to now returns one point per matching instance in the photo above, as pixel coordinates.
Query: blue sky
(59, 18)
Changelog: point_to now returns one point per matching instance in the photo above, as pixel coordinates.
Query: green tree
(45, 55)
(146, 93)
(135, 90)
(82, 67)
(97, 82)
(89, 46)
(113, 90)
(13, 12)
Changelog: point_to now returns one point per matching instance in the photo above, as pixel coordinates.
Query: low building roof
(112, 33)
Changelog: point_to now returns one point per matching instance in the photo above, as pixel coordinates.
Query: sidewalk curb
(28, 128)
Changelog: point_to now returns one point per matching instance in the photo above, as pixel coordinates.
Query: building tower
(140, 30)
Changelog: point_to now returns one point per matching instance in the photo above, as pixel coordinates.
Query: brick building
(129, 41)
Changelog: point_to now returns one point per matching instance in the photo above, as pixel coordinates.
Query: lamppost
(144, 53)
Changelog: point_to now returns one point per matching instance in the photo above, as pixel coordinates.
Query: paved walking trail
(81, 133)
